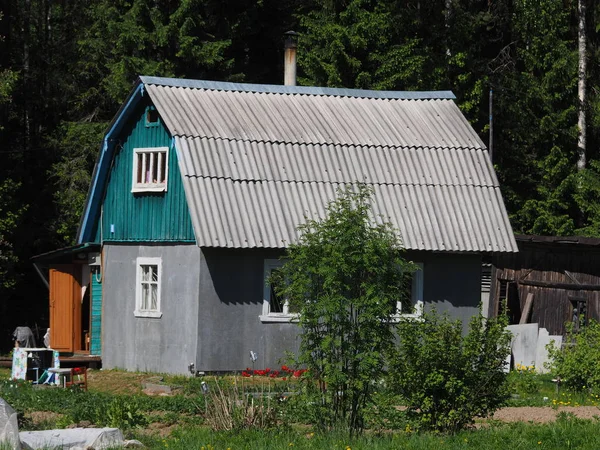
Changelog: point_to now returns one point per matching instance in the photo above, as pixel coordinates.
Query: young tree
(345, 277)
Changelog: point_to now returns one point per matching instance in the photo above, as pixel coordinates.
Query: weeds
(231, 407)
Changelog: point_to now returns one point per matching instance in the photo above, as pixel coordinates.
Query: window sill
(282, 318)
(159, 187)
(409, 317)
(148, 314)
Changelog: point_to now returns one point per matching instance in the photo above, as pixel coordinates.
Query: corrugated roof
(247, 214)
(266, 161)
(305, 119)
(258, 160)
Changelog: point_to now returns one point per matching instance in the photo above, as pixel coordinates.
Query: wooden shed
(551, 281)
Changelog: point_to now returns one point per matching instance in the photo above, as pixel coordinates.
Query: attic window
(151, 116)
(150, 169)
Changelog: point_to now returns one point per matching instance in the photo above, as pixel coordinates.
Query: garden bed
(178, 422)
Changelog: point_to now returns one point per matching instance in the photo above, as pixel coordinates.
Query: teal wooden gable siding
(144, 217)
(96, 313)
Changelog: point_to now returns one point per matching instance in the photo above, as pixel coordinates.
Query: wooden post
(526, 309)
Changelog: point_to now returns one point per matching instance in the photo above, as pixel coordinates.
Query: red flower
(245, 374)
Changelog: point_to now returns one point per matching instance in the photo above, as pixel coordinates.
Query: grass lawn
(563, 434)
(177, 422)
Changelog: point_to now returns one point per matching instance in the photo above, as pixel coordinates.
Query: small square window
(148, 287)
(150, 169)
(275, 308)
(151, 117)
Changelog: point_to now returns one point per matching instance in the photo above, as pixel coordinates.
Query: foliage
(10, 216)
(523, 380)
(576, 363)
(72, 173)
(446, 379)
(123, 414)
(356, 44)
(345, 277)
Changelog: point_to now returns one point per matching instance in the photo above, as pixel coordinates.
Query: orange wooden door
(62, 300)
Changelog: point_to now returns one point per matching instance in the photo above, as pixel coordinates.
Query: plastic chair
(78, 378)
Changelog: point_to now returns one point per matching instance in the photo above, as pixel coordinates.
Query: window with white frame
(275, 308)
(150, 169)
(416, 297)
(148, 287)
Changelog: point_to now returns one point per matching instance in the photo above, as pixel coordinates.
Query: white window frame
(150, 187)
(268, 316)
(151, 313)
(416, 297)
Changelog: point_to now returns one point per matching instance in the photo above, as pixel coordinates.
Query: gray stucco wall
(452, 283)
(212, 299)
(166, 344)
(231, 298)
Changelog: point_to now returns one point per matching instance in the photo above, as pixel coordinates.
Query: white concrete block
(541, 358)
(524, 343)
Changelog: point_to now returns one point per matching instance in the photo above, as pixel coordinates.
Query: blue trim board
(102, 168)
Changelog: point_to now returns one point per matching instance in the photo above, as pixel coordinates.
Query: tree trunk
(582, 41)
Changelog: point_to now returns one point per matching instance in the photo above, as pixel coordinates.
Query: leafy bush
(446, 379)
(578, 362)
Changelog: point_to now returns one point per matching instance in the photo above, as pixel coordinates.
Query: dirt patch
(159, 429)
(116, 381)
(543, 414)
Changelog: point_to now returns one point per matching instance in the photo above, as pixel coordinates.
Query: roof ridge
(296, 90)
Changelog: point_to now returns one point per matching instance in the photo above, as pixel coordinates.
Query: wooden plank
(566, 286)
(527, 308)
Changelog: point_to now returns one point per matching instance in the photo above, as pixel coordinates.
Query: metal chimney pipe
(289, 58)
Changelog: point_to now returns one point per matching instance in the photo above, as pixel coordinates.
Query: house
(200, 186)
(551, 281)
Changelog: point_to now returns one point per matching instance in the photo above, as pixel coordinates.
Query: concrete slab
(524, 343)
(541, 358)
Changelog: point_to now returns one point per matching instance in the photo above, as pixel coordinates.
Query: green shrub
(578, 362)
(446, 379)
